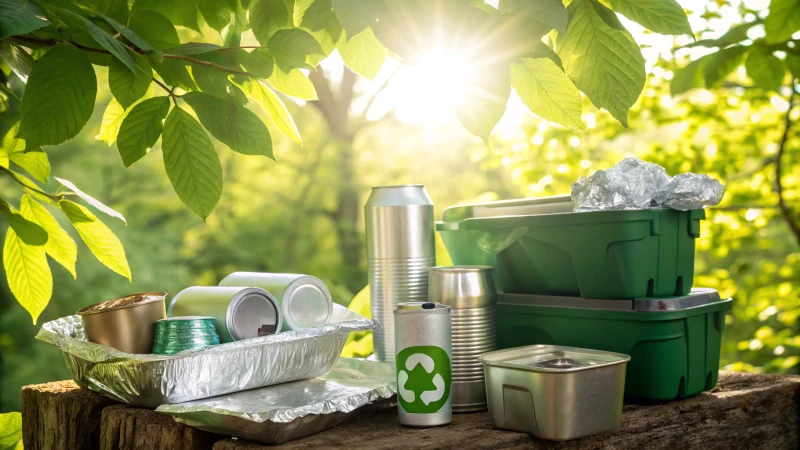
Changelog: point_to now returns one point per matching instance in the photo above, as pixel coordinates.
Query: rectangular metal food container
(153, 380)
(553, 392)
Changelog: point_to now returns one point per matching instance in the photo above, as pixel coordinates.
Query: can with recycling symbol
(423, 359)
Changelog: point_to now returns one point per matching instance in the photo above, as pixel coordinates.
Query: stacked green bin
(674, 347)
(603, 254)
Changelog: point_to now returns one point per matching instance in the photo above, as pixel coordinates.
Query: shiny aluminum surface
(129, 328)
(400, 250)
(305, 301)
(470, 291)
(152, 380)
(419, 325)
(554, 392)
(697, 297)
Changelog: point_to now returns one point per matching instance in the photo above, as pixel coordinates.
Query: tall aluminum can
(400, 250)
(422, 339)
(305, 301)
(470, 292)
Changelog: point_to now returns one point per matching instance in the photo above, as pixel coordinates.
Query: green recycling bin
(537, 247)
(674, 343)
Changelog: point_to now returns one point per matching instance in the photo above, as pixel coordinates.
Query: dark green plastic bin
(674, 344)
(604, 254)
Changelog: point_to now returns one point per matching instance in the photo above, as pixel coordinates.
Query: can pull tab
(266, 330)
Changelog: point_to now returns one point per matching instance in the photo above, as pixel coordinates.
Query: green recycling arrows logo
(423, 379)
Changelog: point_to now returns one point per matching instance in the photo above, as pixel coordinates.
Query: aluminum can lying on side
(423, 364)
(400, 250)
(305, 301)
(239, 313)
(470, 292)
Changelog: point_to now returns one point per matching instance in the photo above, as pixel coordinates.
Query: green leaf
(294, 84)
(765, 69)
(718, 65)
(290, 48)
(793, 63)
(549, 12)
(112, 120)
(106, 41)
(547, 91)
(274, 107)
(483, 102)
(218, 13)
(128, 86)
(783, 20)
(29, 232)
(174, 73)
(34, 161)
(356, 15)
(155, 29)
(193, 48)
(91, 200)
(191, 163)
(20, 17)
(267, 17)
(141, 128)
(661, 16)
(734, 35)
(59, 97)
(234, 125)
(688, 77)
(259, 62)
(60, 245)
(116, 9)
(10, 430)
(603, 62)
(102, 242)
(17, 59)
(128, 34)
(232, 34)
(29, 276)
(179, 12)
(364, 54)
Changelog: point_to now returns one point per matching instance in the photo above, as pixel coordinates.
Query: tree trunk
(127, 428)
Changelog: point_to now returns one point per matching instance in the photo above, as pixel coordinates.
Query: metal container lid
(552, 358)
(557, 204)
(696, 298)
(421, 308)
(251, 310)
(185, 318)
(462, 287)
(307, 303)
(129, 301)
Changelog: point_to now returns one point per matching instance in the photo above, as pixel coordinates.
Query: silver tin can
(470, 292)
(400, 250)
(239, 313)
(305, 301)
(423, 364)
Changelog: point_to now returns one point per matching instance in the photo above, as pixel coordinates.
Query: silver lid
(552, 358)
(250, 312)
(462, 287)
(307, 303)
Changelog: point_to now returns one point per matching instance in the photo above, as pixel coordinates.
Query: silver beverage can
(400, 250)
(423, 364)
(305, 301)
(470, 292)
(238, 312)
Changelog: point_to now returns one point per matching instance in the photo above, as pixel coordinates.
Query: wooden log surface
(744, 411)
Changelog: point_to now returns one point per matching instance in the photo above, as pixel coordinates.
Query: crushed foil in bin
(637, 184)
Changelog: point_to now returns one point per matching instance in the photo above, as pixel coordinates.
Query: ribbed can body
(400, 251)
(470, 292)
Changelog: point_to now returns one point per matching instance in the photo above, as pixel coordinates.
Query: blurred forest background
(303, 213)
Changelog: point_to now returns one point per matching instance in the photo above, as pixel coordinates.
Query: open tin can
(125, 323)
(554, 392)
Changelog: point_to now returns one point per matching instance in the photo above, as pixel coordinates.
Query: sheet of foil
(153, 380)
(289, 411)
(637, 184)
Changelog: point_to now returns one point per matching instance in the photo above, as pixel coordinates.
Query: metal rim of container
(237, 298)
(622, 359)
(398, 186)
(293, 286)
(158, 297)
(461, 269)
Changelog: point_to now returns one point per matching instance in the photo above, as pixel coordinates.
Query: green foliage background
(290, 217)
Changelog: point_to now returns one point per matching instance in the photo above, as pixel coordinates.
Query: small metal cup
(470, 292)
(129, 327)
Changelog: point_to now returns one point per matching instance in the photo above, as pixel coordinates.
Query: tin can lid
(307, 303)
(552, 358)
(186, 318)
(250, 310)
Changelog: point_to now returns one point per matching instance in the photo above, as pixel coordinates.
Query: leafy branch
(786, 211)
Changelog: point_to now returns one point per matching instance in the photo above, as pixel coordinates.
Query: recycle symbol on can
(423, 379)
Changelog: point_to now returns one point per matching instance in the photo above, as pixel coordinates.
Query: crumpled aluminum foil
(289, 411)
(637, 184)
(691, 191)
(152, 380)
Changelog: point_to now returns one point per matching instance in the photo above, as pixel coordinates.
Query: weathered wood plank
(61, 415)
(128, 428)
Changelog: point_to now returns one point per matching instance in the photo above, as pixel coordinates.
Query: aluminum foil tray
(153, 380)
(277, 414)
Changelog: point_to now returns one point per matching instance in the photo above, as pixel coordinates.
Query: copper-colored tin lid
(128, 301)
